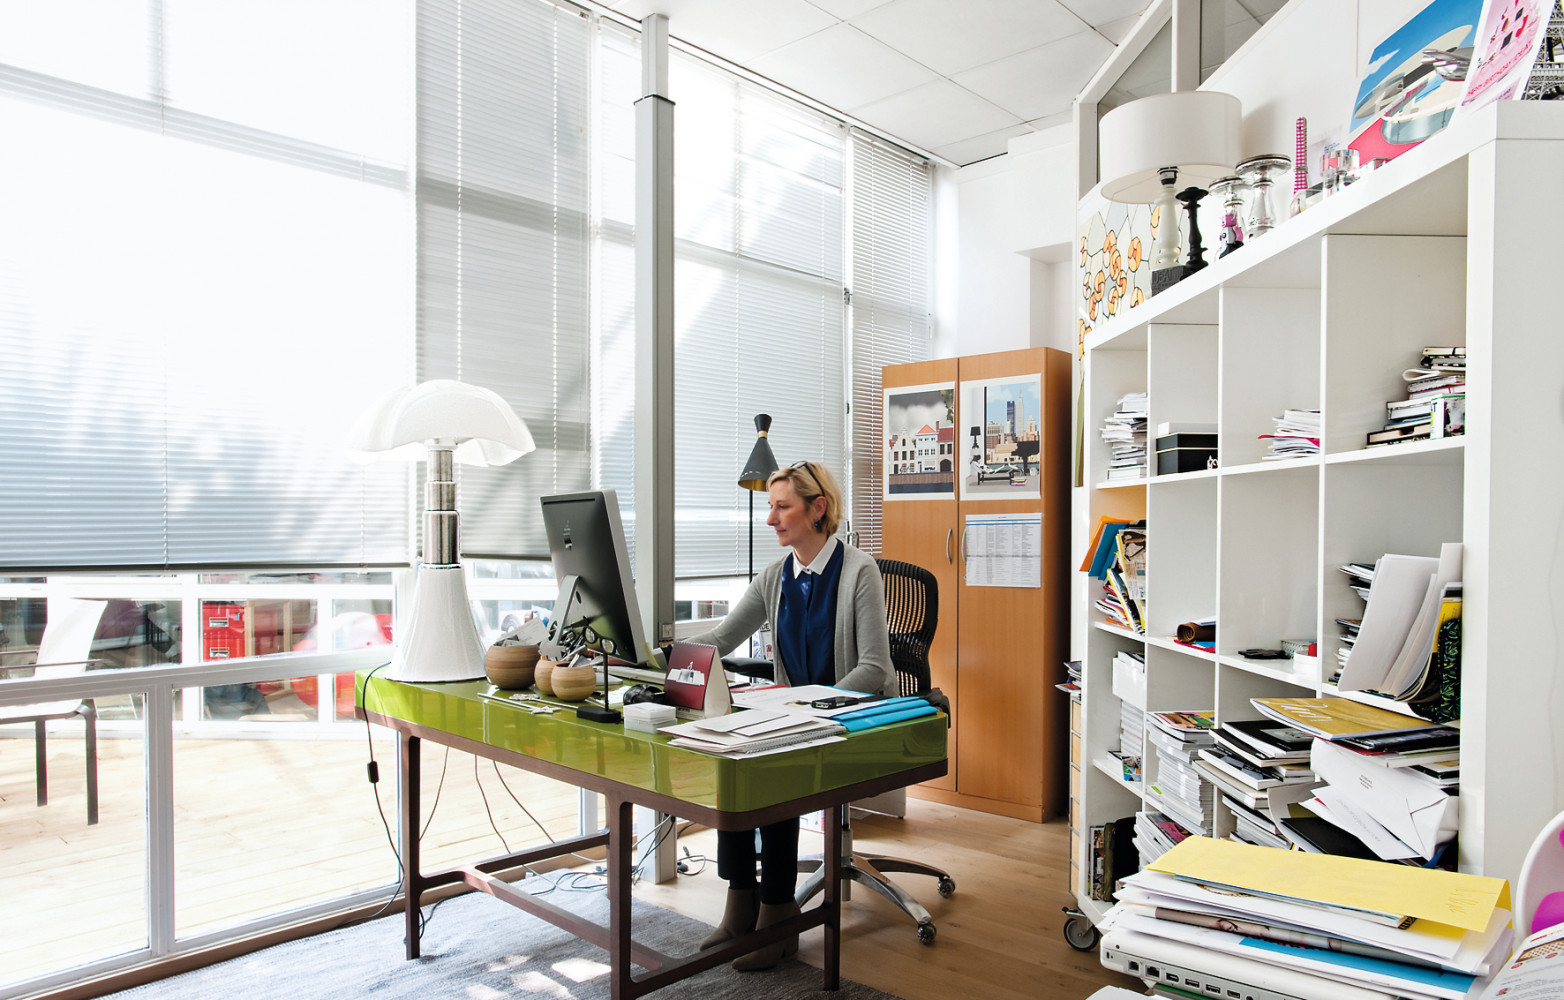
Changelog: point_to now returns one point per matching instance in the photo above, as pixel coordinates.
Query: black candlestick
(1197, 254)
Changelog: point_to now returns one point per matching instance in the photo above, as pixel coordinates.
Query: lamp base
(439, 641)
(1165, 278)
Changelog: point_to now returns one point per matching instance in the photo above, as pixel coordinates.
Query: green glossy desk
(632, 768)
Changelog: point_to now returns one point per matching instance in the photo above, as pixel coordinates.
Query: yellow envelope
(1453, 898)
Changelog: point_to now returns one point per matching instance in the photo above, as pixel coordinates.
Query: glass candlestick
(1230, 190)
(1261, 173)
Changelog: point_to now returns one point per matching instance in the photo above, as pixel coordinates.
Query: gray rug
(475, 946)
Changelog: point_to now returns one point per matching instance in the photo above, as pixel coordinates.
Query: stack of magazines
(1125, 434)
(1297, 434)
(1179, 790)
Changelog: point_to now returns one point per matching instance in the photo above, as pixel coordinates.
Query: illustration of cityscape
(920, 446)
(1002, 448)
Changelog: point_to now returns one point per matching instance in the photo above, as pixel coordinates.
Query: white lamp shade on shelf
(482, 426)
(1196, 131)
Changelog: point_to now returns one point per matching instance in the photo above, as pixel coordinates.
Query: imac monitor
(586, 542)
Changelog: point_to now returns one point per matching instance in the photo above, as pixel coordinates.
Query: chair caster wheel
(947, 886)
(925, 933)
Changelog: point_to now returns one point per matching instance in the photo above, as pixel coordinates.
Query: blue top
(806, 622)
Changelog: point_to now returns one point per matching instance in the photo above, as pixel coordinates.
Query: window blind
(198, 291)
(504, 242)
(758, 310)
(891, 274)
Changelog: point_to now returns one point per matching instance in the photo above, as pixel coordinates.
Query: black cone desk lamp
(757, 469)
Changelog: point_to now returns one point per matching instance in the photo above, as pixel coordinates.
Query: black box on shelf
(1186, 452)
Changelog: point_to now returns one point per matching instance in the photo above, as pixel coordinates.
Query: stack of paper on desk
(755, 732)
(1413, 932)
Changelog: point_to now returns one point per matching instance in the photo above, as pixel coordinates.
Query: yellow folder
(1454, 898)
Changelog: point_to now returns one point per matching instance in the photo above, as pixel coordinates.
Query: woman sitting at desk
(825, 606)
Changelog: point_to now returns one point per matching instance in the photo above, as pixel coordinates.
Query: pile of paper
(1125, 433)
(1179, 790)
(1132, 739)
(1416, 933)
(1386, 779)
(1411, 599)
(754, 733)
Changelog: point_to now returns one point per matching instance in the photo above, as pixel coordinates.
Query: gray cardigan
(863, 647)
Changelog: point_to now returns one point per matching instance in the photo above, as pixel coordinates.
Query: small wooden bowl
(542, 675)
(574, 683)
(510, 667)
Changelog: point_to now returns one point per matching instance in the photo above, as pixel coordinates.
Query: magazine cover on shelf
(1414, 80)
(919, 427)
(1001, 438)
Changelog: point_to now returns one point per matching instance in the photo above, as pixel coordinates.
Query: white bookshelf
(1455, 242)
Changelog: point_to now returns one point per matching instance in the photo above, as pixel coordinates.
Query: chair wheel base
(926, 934)
(947, 887)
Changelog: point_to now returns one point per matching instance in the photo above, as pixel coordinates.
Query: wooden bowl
(542, 675)
(574, 683)
(510, 667)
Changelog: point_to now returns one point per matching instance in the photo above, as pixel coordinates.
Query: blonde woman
(825, 605)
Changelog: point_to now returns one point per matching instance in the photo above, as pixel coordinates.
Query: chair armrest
(749, 666)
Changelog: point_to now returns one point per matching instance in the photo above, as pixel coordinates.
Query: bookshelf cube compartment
(1269, 558)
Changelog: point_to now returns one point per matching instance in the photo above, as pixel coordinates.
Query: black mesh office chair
(911, 612)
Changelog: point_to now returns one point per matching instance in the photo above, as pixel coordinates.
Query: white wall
(1004, 208)
(1306, 61)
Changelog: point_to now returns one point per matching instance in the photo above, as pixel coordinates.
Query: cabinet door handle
(963, 552)
(948, 535)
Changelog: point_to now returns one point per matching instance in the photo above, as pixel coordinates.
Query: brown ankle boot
(772, 954)
(738, 916)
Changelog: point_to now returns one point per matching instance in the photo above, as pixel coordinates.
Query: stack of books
(1297, 434)
(1435, 404)
(1260, 767)
(1385, 780)
(1180, 791)
(1125, 433)
(1334, 923)
(1155, 835)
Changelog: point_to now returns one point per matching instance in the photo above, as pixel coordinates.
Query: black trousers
(778, 860)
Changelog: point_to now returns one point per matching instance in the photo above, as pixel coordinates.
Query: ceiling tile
(981, 147)
(949, 38)
(1118, 30)
(1041, 81)
(842, 67)
(738, 32)
(1097, 12)
(935, 114)
(845, 9)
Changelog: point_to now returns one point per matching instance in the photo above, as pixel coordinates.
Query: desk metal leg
(620, 846)
(408, 746)
(834, 819)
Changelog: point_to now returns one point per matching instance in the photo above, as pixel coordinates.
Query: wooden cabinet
(1324, 312)
(998, 651)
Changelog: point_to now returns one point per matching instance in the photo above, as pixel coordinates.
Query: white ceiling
(957, 78)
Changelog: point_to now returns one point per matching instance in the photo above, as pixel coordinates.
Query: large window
(203, 280)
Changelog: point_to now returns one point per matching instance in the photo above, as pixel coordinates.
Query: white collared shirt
(822, 559)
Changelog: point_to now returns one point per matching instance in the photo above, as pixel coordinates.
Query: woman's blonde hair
(810, 480)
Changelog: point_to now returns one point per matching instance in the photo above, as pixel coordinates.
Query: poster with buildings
(920, 442)
(999, 438)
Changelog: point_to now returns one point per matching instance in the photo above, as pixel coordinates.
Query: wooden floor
(265, 825)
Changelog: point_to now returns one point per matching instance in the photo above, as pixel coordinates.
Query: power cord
(361, 700)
